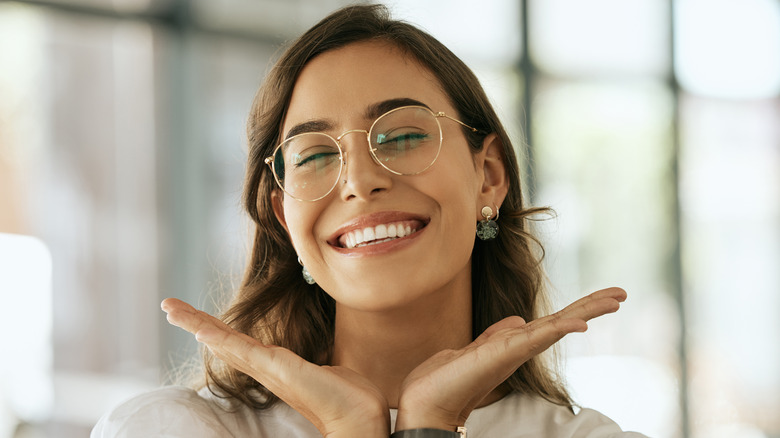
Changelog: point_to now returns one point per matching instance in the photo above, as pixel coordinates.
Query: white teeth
(373, 235)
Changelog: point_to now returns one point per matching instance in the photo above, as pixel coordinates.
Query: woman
(380, 295)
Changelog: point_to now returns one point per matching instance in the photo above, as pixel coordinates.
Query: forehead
(340, 84)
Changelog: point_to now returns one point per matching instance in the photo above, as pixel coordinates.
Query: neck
(385, 346)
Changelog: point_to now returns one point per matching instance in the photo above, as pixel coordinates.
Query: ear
(495, 183)
(277, 199)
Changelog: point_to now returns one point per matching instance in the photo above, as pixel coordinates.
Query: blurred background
(652, 128)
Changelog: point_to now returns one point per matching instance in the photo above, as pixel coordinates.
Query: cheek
(459, 186)
(300, 220)
(455, 188)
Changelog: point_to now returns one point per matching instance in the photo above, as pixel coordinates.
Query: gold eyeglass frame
(342, 160)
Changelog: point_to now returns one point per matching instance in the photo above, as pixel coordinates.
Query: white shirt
(179, 412)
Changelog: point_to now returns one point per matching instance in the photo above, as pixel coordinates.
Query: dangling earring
(487, 229)
(306, 276)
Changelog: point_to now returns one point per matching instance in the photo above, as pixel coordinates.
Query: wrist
(419, 418)
(370, 421)
(460, 432)
(367, 429)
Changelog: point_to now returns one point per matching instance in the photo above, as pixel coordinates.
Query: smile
(379, 234)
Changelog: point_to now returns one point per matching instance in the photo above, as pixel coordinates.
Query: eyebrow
(375, 110)
(372, 112)
(310, 126)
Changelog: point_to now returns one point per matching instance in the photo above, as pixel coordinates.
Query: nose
(362, 177)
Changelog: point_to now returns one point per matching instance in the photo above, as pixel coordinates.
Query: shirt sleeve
(593, 424)
(525, 416)
(587, 424)
(171, 412)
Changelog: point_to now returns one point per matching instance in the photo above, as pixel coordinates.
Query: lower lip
(381, 248)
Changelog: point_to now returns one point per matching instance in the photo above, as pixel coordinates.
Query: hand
(338, 401)
(442, 391)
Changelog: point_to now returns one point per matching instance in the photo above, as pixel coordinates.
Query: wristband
(460, 432)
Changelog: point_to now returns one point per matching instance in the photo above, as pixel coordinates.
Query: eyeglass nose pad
(373, 154)
(343, 174)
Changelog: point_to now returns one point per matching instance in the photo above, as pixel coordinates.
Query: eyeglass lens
(405, 141)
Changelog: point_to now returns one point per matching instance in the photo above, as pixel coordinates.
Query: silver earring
(487, 229)
(306, 276)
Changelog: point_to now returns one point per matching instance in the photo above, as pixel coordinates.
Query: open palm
(337, 400)
(442, 391)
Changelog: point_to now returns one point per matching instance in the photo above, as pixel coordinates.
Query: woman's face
(338, 89)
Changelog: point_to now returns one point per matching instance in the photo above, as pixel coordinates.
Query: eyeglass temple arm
(441, 114)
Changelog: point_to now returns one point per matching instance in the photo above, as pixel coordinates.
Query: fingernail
(164, 305)
(203, 336)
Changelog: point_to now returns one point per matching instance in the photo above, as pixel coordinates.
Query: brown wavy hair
(275, 305)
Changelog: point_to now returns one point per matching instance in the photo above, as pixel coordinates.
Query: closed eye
(321, 157)
(407, 140)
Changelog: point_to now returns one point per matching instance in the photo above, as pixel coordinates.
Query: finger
(506, 323)
(530, 340)
(543, 332)
(276, 368)
(188, 318)
(611, 292)
(592, 306)
(270, 365)
(237, 349)
(208, 329)
(502, 353)
(170, 304)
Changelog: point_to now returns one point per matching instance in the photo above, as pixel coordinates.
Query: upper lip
(374, 219)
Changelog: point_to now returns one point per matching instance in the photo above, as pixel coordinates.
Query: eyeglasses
(405, 141)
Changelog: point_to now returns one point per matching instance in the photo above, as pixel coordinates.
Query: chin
(382, 293)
